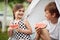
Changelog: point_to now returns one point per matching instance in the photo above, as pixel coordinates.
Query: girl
(52, 30)
(19, 28)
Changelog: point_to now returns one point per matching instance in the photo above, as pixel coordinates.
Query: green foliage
(2, 6)
(16, 1)
(12, 2)
(1, 0)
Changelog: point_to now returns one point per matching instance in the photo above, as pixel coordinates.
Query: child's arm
(10, 31)
(37, 37)
(42, 33)
(45, 34)
(28, 30)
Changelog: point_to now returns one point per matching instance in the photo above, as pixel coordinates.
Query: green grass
(3, 36)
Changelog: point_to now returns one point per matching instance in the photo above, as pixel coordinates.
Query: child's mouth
(20, 14)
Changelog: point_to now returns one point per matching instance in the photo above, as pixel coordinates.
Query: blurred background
(6, 13)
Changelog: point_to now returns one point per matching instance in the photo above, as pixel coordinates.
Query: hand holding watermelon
(14, 26)
(39, 27)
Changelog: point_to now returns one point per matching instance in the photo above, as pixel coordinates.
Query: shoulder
(26, 21)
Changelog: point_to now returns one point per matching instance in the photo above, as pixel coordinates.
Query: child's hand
(14, 26)
(38, 30)
(39, 26)
(10, 31)
(18, 30)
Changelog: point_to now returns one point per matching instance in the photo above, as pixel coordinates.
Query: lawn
(3, 36)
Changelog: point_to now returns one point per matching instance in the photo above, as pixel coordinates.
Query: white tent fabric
(58, 4)
(30, 8)
(35, 12)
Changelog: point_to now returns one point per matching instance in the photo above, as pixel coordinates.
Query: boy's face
(19, 13)
(48, 15)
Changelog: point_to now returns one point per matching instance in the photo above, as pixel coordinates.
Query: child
(19, 28)
(52, 30)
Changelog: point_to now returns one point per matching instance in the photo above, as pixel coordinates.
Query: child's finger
(37, 29)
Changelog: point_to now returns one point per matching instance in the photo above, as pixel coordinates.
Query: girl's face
(48, 15)
(19, 13)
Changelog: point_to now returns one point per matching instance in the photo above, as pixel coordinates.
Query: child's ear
(54, 15)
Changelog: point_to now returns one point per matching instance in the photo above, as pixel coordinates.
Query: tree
(12, 2)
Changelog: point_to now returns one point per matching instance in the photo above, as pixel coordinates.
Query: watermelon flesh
(14, 26)
(40, 25)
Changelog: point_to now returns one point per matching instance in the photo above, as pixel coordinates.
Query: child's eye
(23, 10)
(15, 23)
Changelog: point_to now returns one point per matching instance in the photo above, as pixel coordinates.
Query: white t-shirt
(54, 29)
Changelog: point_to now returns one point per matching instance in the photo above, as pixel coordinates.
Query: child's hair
(52, 8)
(17, 7)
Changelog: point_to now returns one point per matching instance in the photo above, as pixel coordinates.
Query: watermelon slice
(14, 26)
(40, 25)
